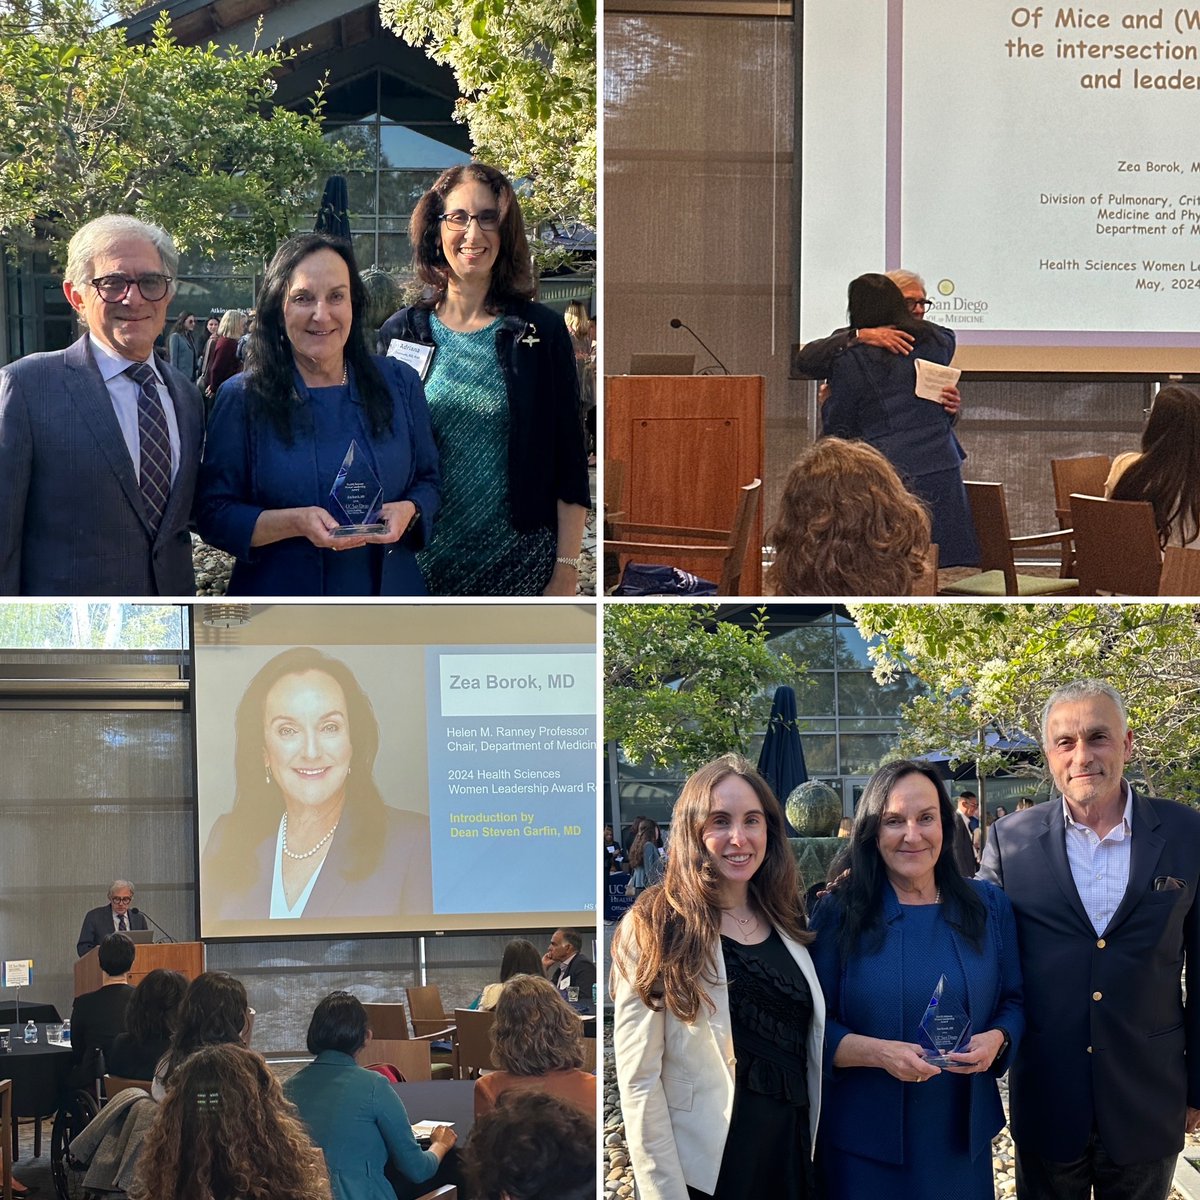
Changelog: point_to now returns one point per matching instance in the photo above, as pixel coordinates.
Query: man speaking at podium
(113, 917)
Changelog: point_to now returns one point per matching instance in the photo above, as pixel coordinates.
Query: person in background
(532, 1146)
(1167, 471)
(182, 345)
(214, 1011)
(225, 1132)
(503, 395)
(846, 526)
(114, 917)
(353, 1114)
(206, 346)
(98, 1017)
(567, 967)
(900, 927)
(223, 361)
(646, 856)
(1001, 811)
(149, 1022)
(537, 1042)
(520, 957)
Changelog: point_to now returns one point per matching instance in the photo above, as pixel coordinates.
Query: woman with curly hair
(149, 1022)
(1167, 471)
(214, 1011)
(537, 1042)
(225, 1132)
(846, 526)
(719, 1019)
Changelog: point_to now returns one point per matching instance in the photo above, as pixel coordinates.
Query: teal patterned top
(475, 549)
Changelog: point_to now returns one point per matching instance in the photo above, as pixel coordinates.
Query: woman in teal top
(503, 396)
(352, 1113)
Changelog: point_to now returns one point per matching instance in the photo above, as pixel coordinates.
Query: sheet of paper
(425, 1128)
(17, 972)
(417, 355)
(932, 377)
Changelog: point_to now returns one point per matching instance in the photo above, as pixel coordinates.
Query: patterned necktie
(154, 474)
(121, 918)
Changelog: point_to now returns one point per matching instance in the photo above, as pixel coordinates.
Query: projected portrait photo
(310, 834)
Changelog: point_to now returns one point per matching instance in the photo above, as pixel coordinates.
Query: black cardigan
(547, 454)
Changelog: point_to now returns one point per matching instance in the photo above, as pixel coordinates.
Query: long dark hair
(270, 384)
(512, 276)
(520, 957)
(874, 300)
(1168, 471)
(214, 1012)
(180, 326)
(154, 1006)
(258, 804)
(862, 893)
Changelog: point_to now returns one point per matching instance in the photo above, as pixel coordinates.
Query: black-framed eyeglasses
(913, 305)
(114, 288)
(459, 218)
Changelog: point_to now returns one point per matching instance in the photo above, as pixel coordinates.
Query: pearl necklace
(307, 853)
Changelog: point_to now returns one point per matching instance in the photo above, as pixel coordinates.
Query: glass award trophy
(357, 496)
(945, 1028)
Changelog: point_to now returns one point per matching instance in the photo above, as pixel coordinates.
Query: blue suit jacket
(98, 924)
(872, 397)
(72, 520)
(248, 468)
(863, 1108)
(1130, 1060)
(359, 1122)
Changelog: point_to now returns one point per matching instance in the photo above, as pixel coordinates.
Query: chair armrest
(1041, 539)
(442, 1035)
(677, 531)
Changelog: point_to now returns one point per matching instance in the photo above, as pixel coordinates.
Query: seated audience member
(846, 526)
(97, 1017)
(520, 958)
(225, 1132)
(566, 967)
(1167, 471)
(532, 1147)
(352, 1113)
(149, 1023)
(214, 1011)
(537, 1042)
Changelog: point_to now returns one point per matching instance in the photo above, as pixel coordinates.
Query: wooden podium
(185, 957)
(688, 442)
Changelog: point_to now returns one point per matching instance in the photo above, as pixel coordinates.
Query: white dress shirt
(1100, 866)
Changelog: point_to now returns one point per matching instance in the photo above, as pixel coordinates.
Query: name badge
(415, 354)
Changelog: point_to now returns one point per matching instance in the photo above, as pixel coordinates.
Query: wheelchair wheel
(75, 1113)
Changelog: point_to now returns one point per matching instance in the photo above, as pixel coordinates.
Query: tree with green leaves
(186, 136)
(990, 667)
(681, 687)
(87, 625)
(526, 70)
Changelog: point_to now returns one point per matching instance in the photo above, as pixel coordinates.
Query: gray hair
(902, 279)
(1082, 689)
(119, 883)
(92, 239)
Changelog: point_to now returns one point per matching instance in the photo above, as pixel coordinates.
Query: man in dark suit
(110, 918)
(1103, 881)
(97, 1017)
(100, 443)
(567, 967)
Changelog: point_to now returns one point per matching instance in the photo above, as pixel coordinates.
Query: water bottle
(30, 1032)
(66, 1032)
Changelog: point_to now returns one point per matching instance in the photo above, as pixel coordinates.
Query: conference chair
(726, 548)
(410, 1057)
(388, 1021)
(472, 1042)
(112, 1085)
(6, 1132)
(1116, 546)
(926, 584)
(428, 1015)
(1085, 474)
(1180, 572)
(998, 575)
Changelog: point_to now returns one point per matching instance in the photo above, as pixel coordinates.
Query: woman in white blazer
(719, 1018)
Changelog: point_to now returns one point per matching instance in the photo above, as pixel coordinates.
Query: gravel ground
(213, 566)
(618, 1174)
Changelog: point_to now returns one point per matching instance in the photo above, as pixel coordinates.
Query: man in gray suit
(100, 443)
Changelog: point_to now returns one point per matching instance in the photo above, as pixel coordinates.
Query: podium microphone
(676, 323)
(136, 911)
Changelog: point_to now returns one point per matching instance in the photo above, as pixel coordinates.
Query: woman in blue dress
(504, 395)
(899, 924)
(872, 397)
(310, 400)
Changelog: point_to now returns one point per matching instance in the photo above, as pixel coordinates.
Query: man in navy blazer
(1103, 881)
(99, 465)
(110, 918)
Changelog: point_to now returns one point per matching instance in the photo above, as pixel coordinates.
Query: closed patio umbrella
(781, 762)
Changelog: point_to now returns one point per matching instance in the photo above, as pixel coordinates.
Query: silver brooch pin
(529, 339)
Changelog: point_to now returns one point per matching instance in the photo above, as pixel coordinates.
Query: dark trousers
(1040, 1179)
